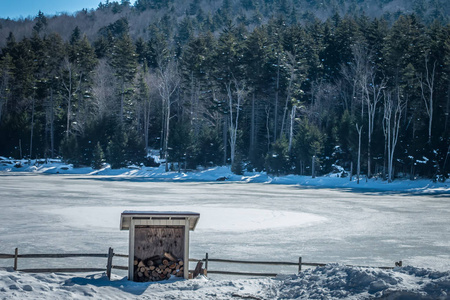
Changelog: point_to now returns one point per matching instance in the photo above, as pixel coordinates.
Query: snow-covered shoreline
(418, 186)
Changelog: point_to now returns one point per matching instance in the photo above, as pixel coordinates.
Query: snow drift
(330, 282)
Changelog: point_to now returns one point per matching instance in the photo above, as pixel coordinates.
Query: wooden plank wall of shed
(156, 240)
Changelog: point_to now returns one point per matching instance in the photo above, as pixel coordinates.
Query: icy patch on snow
(211, 218)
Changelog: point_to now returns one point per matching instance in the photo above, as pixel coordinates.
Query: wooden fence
(16, 257)
(110, 255)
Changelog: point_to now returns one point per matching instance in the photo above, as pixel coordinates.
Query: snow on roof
(127, 215)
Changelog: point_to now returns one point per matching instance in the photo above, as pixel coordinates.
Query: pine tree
(41, 23)
(83, 57)
(123, 60)
(180, 142)
(308, 142)
(277, 160)
(98, 157)
(116, 150)
(158, 48)
(185, 31)
(197, 74)
(6, 69)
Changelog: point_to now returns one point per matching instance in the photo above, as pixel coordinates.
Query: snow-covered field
(326, 220)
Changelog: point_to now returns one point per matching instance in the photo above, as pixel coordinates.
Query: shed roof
(127, 215)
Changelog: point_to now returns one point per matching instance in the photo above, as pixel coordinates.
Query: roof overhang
(159, 217)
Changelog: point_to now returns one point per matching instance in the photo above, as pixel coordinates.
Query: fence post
(299, 264)
(16, 254)
(206, 261)
(109, 263)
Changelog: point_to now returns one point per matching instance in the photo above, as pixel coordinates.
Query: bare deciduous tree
(427, 90)
(71, 82)
(358, 168)
(393, 109)
(348, 86)
(236, 97)
(168, 82)
(291, 66)
(371, 92)
(146, 106)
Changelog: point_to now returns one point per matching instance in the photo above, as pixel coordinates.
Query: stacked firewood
(158, 268)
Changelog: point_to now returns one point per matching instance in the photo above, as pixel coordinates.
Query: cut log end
(157, 269)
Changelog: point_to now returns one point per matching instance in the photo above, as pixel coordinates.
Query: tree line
(283, 96)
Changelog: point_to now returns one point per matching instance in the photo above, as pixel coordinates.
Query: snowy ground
(330, 282)
(326, 220)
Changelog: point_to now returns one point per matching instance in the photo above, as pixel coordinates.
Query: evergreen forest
(282, 86)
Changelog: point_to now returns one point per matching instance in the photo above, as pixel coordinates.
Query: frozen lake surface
(254, 221)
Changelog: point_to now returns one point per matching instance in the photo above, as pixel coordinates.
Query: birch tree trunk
(392, 117)
(358, 167)
(427, 90)
(447, 109)
(168, 82)
(252, 129)
(267, 109)
(235, 100)
(147, 114)
(291, 66)
(225, 138)
(291, 128)
(71, 88)
(275, 123)
(52, 124)
(150, 80)
(32, 127)
(371, 93)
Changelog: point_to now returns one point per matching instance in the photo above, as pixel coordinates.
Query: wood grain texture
(157, 240)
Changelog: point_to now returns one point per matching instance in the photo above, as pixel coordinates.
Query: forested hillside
(270, 85)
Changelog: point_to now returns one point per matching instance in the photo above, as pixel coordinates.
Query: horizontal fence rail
(63, 270)
(279, 263)
(16, 256)
(65, 255)
(272, 263)
(242, 273)
(299, 264)
(206, 260)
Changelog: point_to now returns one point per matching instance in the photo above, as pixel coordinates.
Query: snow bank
(342, 282)
(329, 282)
(420, 186)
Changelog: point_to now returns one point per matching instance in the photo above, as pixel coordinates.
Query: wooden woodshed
(158, 234)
